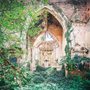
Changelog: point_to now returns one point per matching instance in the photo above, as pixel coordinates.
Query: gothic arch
(35, 43)
(58, 14)
(60, 17)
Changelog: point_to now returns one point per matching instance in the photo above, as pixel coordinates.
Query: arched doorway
(57, 26)
(47, 48)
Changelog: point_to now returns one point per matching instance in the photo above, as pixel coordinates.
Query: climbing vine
(13, 14)
(67, 35)
(68, 59)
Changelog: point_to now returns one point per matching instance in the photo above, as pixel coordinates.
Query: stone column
(23, 40)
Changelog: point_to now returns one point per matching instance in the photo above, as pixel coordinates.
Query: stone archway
(47, 52)
(62, 20)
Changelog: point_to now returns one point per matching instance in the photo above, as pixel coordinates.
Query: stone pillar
(24, 40)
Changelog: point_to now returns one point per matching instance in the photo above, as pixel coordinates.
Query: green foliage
(77, 62)
(45, 1)
(67, 35)
(50, 79)
(2, 38)
(14, 17)
(87, 80)
(39, 68)
(67, 59)
(43, 86)
(33, 31)
(34, 27)
(38, 79)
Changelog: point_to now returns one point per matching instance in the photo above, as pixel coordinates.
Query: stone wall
(78, 13)
(79, 16)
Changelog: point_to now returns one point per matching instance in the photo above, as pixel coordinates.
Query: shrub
(39, 68)
(87, 81)
(38, 79)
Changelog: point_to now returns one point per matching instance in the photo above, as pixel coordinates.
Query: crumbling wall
(78, 13)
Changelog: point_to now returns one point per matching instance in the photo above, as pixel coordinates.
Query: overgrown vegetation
(51, 79)
(13, 14)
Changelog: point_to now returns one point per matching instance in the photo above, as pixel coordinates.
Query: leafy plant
(87, 80)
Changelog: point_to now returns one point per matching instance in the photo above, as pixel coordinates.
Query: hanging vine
(69, 60)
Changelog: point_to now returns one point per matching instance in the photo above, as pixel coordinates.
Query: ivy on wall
(12, 19)
(68, 60)
(14, 16)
